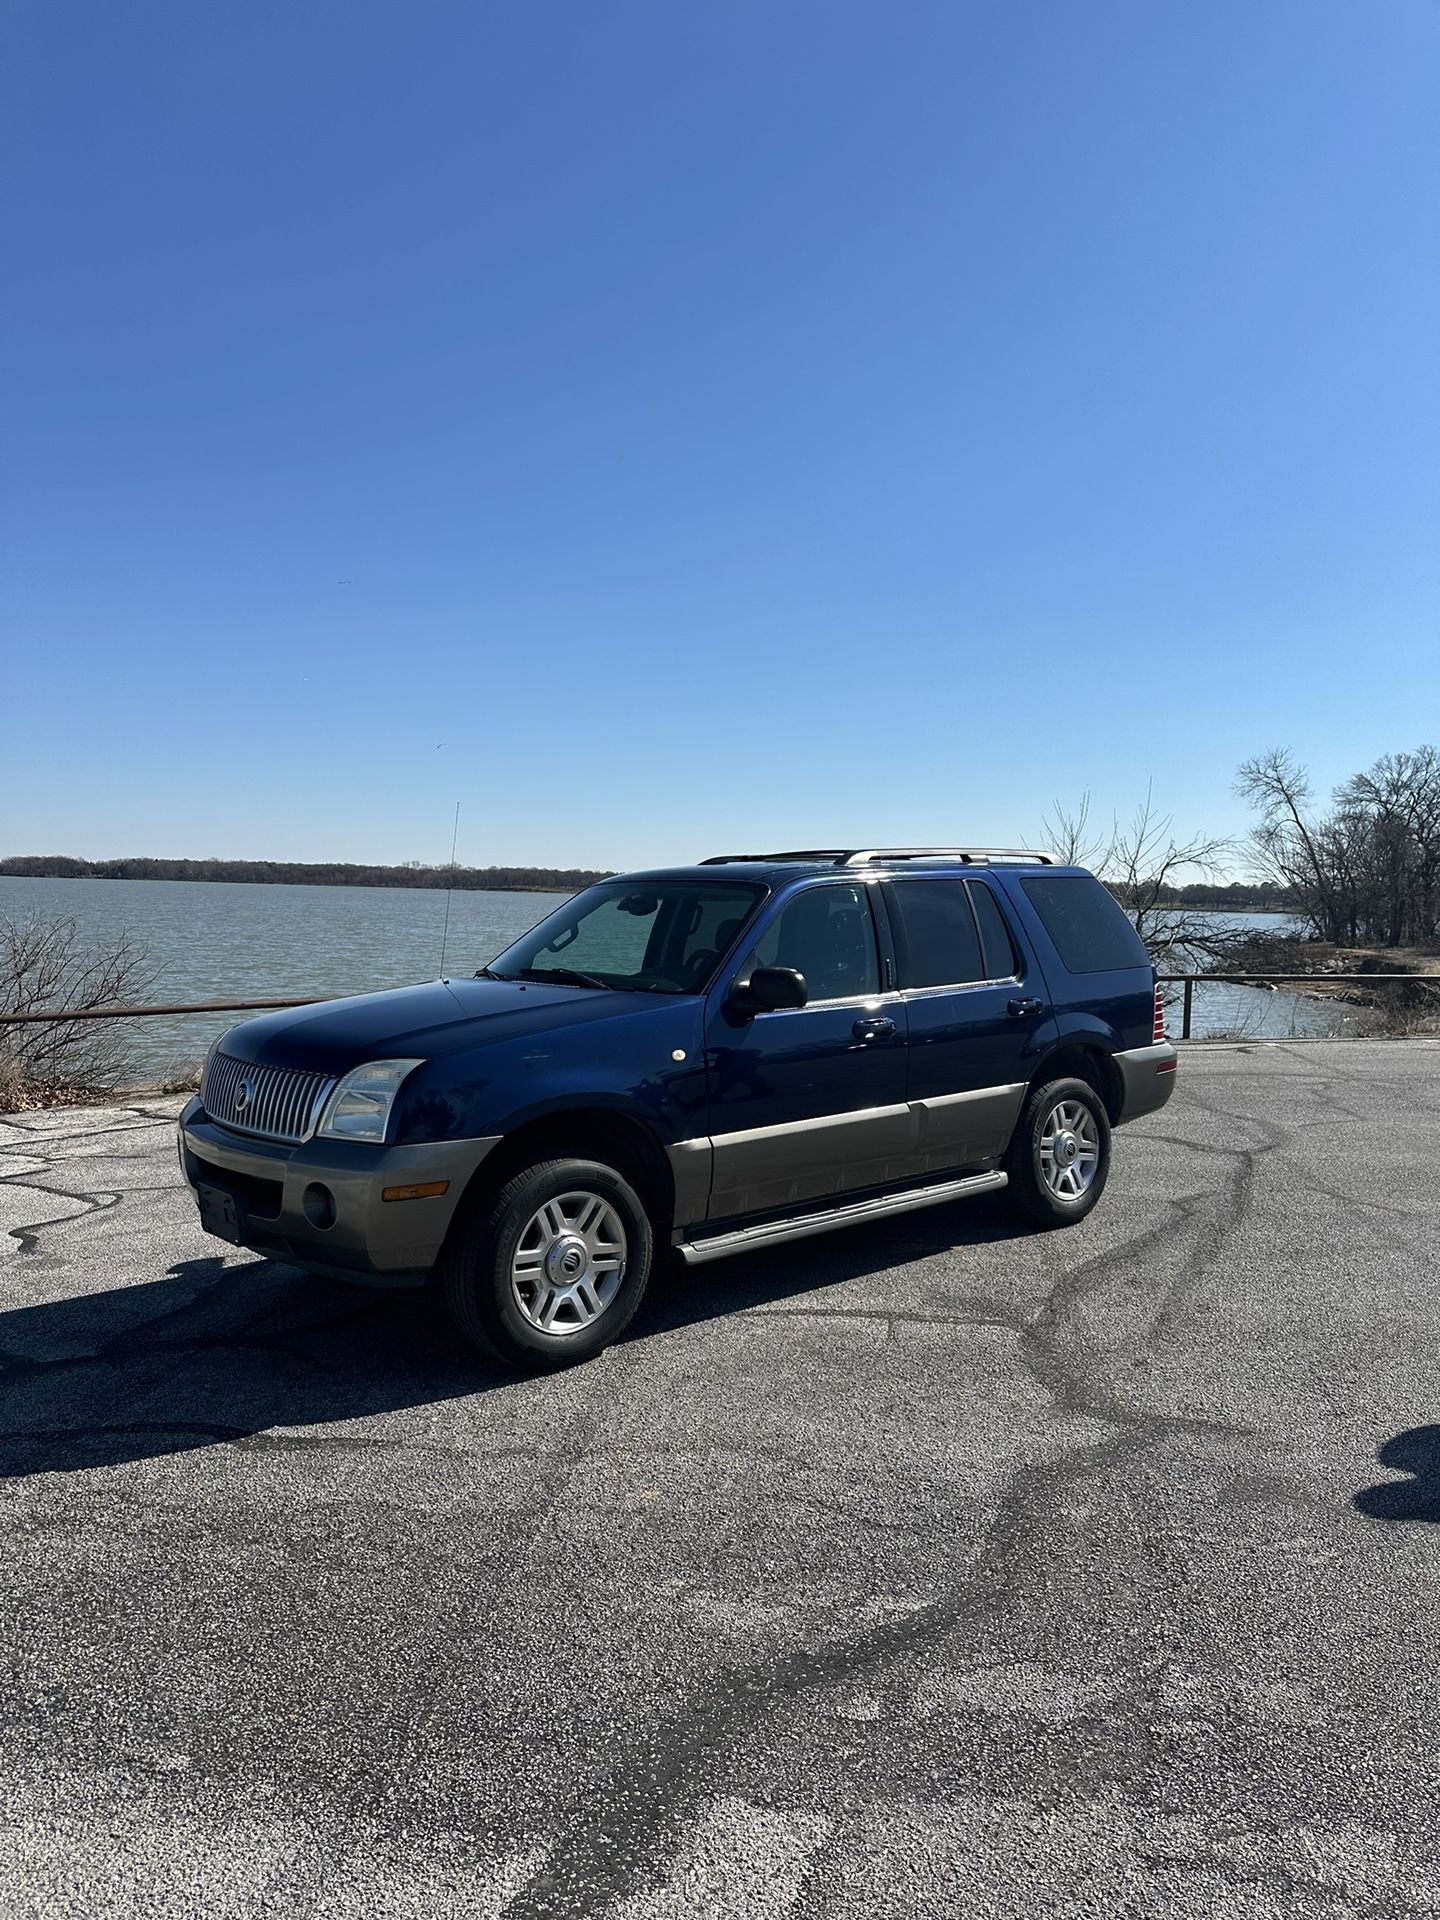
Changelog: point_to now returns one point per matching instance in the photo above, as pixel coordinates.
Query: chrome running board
(770, 1233)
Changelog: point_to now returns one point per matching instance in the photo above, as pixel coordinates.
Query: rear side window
(1090, 931)
(938, 940)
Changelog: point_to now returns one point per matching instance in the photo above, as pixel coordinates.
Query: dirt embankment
(1408, 1004)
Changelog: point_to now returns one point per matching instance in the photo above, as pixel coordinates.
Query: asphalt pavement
(943, 1567)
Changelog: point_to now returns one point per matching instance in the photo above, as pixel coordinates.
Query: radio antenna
(445, 934)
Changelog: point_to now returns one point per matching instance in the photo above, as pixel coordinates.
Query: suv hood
(422, 1023)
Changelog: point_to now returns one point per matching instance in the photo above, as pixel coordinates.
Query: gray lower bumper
(1147, 1075)
(396, 1242)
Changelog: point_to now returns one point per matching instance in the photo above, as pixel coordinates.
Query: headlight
(359, 1108)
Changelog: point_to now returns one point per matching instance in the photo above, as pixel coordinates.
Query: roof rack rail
(968, 856)
(877, 856)
(836, 856)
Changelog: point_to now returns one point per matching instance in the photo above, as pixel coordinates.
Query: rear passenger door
(973, 1004)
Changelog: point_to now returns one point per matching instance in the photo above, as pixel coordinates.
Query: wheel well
(1084, 1063)
(584, 1134)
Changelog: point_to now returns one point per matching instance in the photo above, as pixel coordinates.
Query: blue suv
(711, 1058)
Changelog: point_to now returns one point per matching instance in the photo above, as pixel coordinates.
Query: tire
(552, 1266)
(1042, 1181)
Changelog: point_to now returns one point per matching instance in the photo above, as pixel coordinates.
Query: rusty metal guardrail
(1188, 980)
(141, 1013)
(1270, 979)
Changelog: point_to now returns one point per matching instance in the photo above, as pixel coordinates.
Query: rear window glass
(1091, 932)
(936, 934)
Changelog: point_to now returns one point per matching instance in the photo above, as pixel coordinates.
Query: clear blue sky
(670, 427)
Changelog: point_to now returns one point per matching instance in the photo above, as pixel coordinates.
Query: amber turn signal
(429, 1190)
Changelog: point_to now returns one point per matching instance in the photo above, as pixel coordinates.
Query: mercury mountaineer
(713, 1059)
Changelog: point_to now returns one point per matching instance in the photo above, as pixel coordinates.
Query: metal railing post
(1185, 1014)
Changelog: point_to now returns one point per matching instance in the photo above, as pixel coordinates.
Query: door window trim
(862, 1001)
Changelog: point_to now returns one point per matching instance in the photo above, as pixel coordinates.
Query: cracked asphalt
(940, 1568)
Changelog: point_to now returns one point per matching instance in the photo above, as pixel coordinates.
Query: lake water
(1222, 1009)
(212, 940)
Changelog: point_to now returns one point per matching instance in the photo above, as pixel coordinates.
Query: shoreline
(548, 880)
(1401, 985)
(403, 878)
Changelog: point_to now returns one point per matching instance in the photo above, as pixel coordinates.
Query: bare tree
(1072, 838)
(1144, 865)
(1394, 809)
(1286, 843)
(44, 965)
(1368, 872)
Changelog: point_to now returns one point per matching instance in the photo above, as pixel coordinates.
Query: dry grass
(47, 965)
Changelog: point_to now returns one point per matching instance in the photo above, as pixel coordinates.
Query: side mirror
(770, 990)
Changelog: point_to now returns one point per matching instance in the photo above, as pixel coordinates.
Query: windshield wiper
(567, 976)
(489, 973)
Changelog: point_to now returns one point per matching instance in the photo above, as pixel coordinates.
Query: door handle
(880, 1028)
(1020, 1008)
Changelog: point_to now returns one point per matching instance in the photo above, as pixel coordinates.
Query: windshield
(666, 936)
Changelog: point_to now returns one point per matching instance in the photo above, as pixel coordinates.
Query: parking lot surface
(939, 1568)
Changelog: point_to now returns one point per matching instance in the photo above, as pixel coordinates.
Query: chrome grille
(276, 1103)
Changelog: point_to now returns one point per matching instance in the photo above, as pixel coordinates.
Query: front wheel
(1059, 1158)
(552, 1267)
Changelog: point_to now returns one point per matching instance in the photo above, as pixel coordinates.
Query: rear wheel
(552, 1267)
(1059, 1158)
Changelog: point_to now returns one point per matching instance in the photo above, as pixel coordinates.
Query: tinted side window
(1090, 930)
(996, 945)
(826, 934)
(936, 934)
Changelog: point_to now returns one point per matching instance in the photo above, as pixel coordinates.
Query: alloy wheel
(569, 1262)
(1069, 1149)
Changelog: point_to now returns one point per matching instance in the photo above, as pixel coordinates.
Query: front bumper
(1147, 1078)
(278, 1210)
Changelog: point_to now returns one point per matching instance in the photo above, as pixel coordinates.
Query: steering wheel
(697, 967)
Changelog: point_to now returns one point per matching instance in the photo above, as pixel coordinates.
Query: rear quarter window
(1088, 928)
(1001, 960)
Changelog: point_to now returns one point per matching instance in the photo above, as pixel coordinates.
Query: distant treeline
(1233, 897)
(1237, 896)
(303, 873)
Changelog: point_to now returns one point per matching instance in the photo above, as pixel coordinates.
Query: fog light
(319, 1205)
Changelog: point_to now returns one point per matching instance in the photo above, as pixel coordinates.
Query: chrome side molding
(771, 1233)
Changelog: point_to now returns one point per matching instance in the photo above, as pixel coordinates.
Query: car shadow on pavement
(808, 1268)
(214, 1354)
(1415, 1453)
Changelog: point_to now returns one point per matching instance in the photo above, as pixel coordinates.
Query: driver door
(810, 1101)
